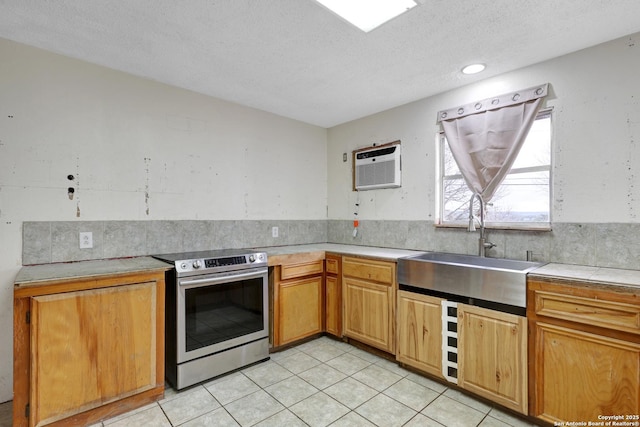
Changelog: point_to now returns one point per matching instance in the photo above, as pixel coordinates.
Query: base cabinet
(85, 351)
(492, 355)
(300, 312)
(583, 376)
(77, 335)
(297, 301)
(585, 346)
(369, 288)
(419, 328)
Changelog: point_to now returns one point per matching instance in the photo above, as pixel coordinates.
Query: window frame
(522, 225)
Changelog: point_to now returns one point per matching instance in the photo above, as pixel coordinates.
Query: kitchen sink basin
(476, 261)
(498, 281)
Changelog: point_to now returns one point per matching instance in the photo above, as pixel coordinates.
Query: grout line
(165, 415)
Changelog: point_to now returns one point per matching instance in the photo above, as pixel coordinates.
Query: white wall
(139, 150)
(596, 124)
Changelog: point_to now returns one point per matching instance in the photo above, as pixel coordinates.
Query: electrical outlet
(274, 231)
(86, 240)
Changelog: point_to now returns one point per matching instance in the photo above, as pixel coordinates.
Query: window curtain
(486, 136)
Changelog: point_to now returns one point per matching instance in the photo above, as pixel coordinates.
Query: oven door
(216, 312)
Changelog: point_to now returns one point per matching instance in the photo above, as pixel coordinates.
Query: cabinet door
(90, 348)
(492, 355)
(333, 305)
(299, 309)
(579, 375)
(420, 332)
(368, 313)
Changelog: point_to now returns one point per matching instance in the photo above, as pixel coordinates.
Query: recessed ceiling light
(473, 68)
(368, 14)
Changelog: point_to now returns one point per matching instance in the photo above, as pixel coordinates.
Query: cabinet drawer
(369, 269)
(590, 311)
(301, 270)
(332, 266)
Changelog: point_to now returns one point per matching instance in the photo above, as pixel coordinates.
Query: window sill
(535, 227)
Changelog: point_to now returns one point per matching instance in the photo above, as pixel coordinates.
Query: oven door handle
(222, 279)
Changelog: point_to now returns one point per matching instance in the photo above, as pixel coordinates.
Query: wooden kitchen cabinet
(87, 349)
(298, 301)
(584, 345)
(492, 355)
(369, 288)
(333, 295)
(419, 330)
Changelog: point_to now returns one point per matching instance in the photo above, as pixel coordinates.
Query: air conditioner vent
(378, 168)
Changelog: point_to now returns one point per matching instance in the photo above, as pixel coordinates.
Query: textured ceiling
(296, 59)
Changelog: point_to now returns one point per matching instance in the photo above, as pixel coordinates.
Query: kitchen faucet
(483, 245)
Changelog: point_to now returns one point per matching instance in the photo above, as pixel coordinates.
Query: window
(523, 199)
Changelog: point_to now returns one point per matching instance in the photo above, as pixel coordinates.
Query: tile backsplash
(596, 244)
(58, 241)
(600, 244)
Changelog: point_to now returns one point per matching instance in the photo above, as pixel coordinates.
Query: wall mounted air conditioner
(378, 167)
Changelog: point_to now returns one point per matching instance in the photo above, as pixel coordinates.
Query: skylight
(368, 14)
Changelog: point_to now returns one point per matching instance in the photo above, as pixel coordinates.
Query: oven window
(219, 313)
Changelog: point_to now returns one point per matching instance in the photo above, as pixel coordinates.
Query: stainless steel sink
(496, 280)
(476, 261)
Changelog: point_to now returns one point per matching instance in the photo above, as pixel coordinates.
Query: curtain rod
(495, 102)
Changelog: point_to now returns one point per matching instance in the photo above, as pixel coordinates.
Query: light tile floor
(323, 382)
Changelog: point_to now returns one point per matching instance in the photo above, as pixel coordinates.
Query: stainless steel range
(217, 315)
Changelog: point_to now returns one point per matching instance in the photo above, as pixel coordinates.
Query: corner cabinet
(369, 288)
(297, 296)
(87, 349)
(420, 332)
(585, 347)
(492, 355)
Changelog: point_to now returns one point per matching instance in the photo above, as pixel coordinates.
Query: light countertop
(596, 275)
(33, 274)
(73, 270)
(364, 251)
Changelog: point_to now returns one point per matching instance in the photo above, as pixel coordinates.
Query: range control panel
(221, 262)
(214, 261)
